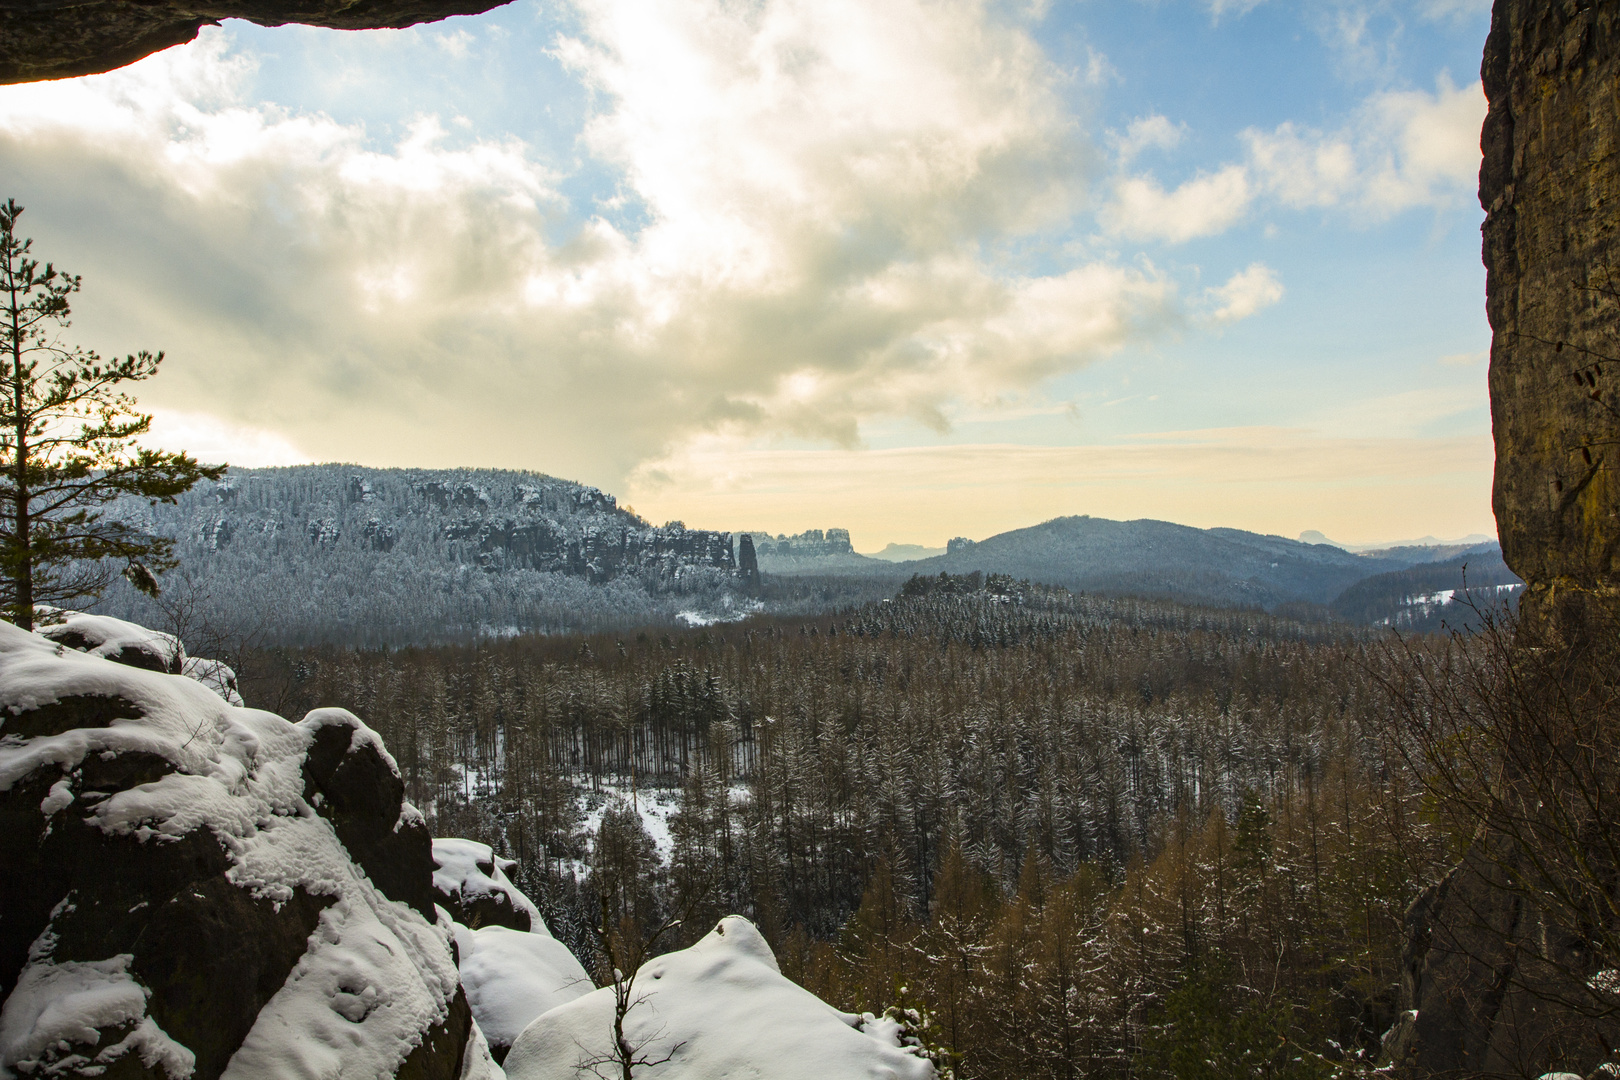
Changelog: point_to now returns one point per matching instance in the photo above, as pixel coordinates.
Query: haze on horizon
(915, 269)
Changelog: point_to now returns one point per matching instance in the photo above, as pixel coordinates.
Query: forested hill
(393, 556)
(1223, 567)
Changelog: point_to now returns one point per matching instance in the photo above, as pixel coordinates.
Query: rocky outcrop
(186, 883)
(56, 39)
(1494, 984)
(1550, 185)
(1494, 987)
(470, 882)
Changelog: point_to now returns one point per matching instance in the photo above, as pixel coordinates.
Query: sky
(915, 268)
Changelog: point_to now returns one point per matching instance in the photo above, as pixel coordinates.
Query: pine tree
(67, 448)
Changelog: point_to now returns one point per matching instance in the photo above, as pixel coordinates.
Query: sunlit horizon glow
(916, 270)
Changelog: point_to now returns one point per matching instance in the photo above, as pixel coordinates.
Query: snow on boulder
(471, 883)
(719, 1008)
(512, 976)
(214, 674)
(180, 897)
(113, 639)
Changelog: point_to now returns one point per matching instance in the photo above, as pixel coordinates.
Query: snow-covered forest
(1084, 837)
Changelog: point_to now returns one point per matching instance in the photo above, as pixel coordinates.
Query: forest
(1065, 835)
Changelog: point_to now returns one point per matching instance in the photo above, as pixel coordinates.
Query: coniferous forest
(1074, 836)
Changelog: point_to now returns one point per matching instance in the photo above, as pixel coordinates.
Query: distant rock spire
(748, 562)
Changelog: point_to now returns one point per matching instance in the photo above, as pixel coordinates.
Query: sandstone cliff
(1550, 183)
(1500, 980)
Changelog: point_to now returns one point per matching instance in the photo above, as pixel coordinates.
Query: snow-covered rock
(114, 639)
(512, 976)
(512, 969)
(471, 882)
(719, 1008)
(192, 889)
(214, 674)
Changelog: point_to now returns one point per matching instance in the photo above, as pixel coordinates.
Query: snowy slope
(721, 1008)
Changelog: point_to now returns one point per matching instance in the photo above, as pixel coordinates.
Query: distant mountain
(1471, 542)
(1227, 567)
(905, 553)
(396, 556)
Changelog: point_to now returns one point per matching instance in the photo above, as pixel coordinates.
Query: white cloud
(819, 190)
(1464, 359)
(1153, 132)
(211, 440)
(1404, 149)
(1218, 8)
(1454, 9)
(1208, 204)
(1245, 293)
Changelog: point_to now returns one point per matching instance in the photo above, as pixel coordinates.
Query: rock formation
(1496, 985)
(1550, 185)
(195, 889)
(56, 39)
(719, 1008)
(512, 969)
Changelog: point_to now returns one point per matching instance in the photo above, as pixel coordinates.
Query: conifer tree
(68, 448)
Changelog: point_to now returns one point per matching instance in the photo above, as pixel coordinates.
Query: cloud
(810, 201)
(1402, 149)
(1218, 8)
(212, 441)
(1153, 132)
(1453, 9)
(1245, 293)
(1208, 204)
(1465, 359)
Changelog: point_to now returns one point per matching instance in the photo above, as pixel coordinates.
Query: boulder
(114, 639)
(512, 969)
(719, 1008)
(175, 904)
(471, 883)
(512, 976)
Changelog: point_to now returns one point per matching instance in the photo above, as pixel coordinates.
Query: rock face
(56, 39)
(1550, 184)
(1478, 1005)
(1480, 1002)
(187, 884)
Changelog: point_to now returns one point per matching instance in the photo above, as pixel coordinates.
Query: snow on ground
(720, 1008)
(656, 806)
(376, 974)
(731, 610)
